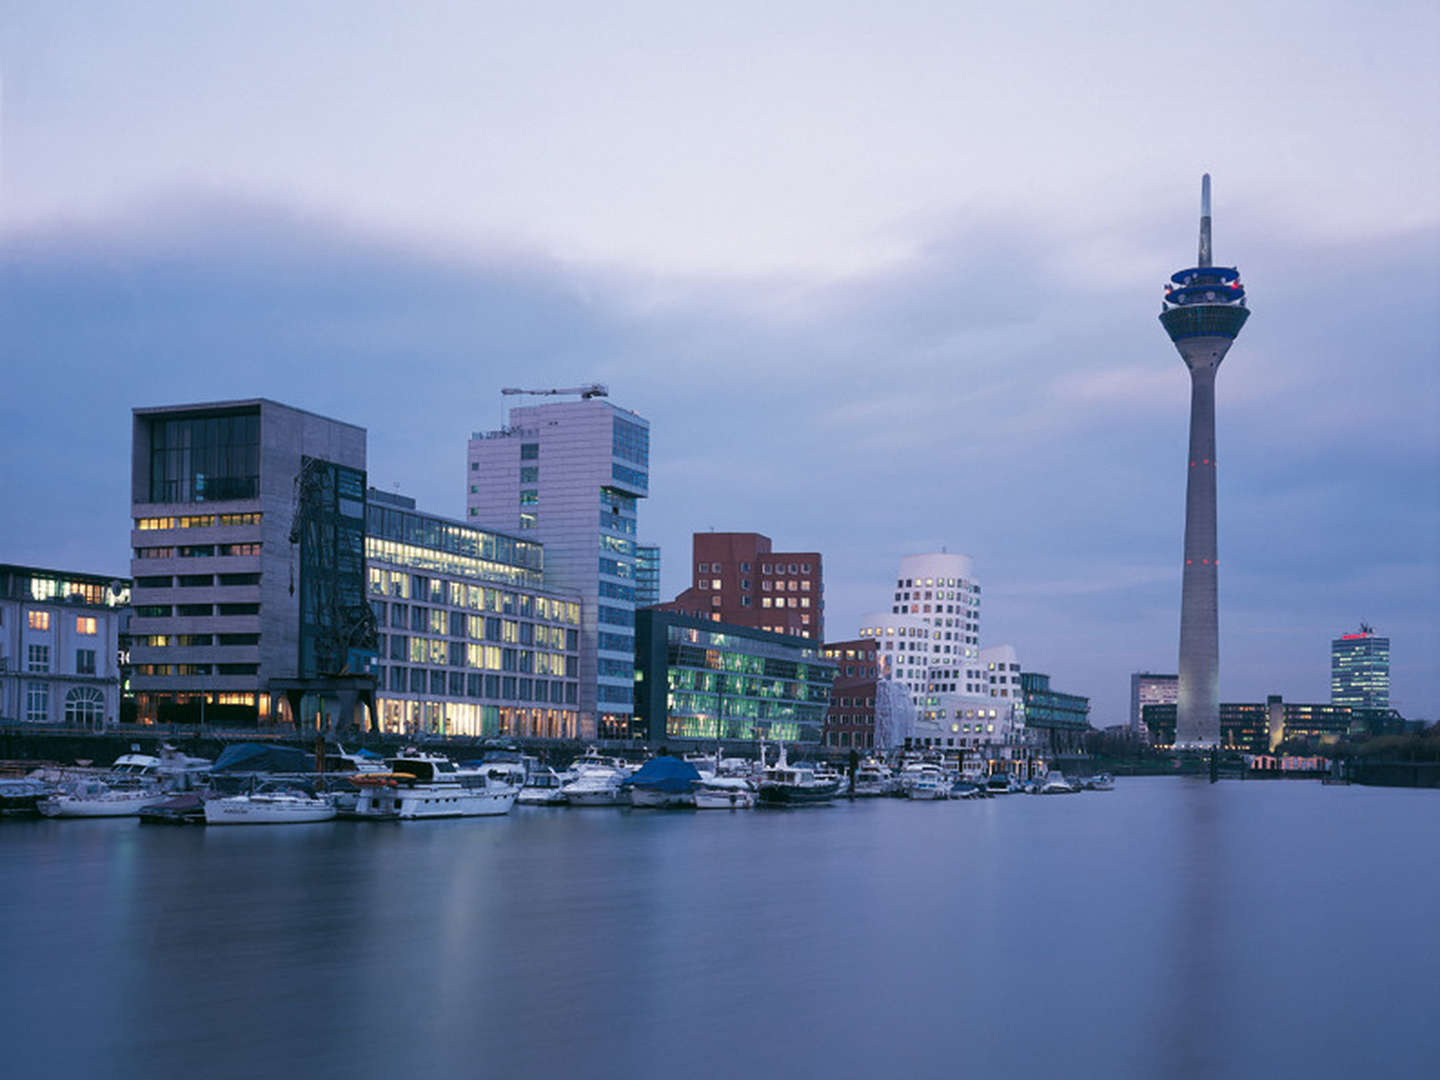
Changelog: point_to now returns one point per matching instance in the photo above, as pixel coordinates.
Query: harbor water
(1168, 928)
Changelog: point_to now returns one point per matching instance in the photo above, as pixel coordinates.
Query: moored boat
(663, 783)
(94, 799)
(783, 784)
(1056, 784)
(279, 807)
(725, 793)
(542, 789)
(924, 780)
(421, 785)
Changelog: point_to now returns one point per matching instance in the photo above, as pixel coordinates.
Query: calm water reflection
(1169, 928)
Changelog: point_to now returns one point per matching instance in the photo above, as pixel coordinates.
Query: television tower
(1203, 311)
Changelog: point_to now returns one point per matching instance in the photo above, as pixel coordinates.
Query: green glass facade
(696, 679)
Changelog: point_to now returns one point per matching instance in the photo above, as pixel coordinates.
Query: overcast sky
(883, 278)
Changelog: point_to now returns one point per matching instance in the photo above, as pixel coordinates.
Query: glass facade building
(470, 642)
(699, 679)
(1360, 670)
(647, 574)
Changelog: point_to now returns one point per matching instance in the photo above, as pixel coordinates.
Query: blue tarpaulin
(665, 774)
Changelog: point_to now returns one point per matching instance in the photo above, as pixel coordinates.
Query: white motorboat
(1056, 784)
(873, 779)
(95, 798)
(784, 784)
(596, 785)
(1100, 782)
(282, 807)
(725, 793)
(924, 780)
(1001, 783)
(421, 785)
(542, 789)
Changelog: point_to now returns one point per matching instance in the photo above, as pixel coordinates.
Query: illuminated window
(84, 625)
(39, 620)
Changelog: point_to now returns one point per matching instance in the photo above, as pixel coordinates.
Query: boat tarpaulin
(665, 774)
(261, 757)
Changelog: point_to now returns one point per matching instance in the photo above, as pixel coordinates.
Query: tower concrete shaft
(1203, 311)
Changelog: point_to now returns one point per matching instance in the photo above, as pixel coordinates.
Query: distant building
(699, 679)
(248, 557)
(60, 646)
(471, 641)
(1360, 670)
(739, 580)
(1060, 719)
(1150, 689)
(850, 720)
(1259, 727)
(647, 574)
(571, 474)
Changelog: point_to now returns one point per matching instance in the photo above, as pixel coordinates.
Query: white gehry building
(928, 642)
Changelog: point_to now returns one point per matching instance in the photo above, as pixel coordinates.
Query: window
(39, 620)
(529, 497)
(239, 549)
(235, 519)
(529, 451)
(84, 707)
(84, 661)
(37, 703)
(38, 658)
(152, 523)
(529, 474)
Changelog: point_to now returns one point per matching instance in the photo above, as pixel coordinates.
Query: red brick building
(850, 720)
(738, 579)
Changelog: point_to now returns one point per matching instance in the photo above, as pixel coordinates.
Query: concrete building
(1360, 670)
(60, 647)
(850, 719)
(571, 474)
(470, 640)
(1147, 688)
(739, 579)
(1203, 311)
(248, 558)
(1257, 727)
(647, 574)
(699, 679)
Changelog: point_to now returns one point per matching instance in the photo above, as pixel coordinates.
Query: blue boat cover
(262, 757)
(665, 774)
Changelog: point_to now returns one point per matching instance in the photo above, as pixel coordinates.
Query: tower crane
(589, 390)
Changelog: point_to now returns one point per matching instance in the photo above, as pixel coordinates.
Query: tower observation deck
(1203, 310)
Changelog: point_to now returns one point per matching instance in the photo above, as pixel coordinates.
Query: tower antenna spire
(1205, 221)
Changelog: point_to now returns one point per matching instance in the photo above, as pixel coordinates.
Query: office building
(1147, 688)
(1203, 310)
(60, 647)
(1256, 727)
(647, 574)
(1058, 719)
(1360, 670)
(739, 579)
(850, 720)
(248, 559)
(700, 679)
(470, 642)
(571, 474)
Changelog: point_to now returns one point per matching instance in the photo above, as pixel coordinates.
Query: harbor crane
(589, 390)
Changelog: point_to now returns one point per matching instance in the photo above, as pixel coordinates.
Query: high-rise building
(929, 640)
(1058, 718)
(59, 647)
(740, 580)
(1147, 688)
(647, 574)
(571, 474)
(1203, 311)
(1360, 670)
(248, 558)
(850, 721)
(470, 640)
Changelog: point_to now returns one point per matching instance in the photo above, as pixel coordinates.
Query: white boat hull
(595, 797)
(733, 799)
(257, 810)
(926, 791)
(538, 796)
(660, 800)
(115, 804)
(413, 804)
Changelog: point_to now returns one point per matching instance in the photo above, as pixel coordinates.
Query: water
(1168, 928)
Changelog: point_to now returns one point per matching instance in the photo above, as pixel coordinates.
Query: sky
(883, 277)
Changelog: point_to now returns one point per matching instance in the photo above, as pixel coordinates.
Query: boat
(94, 798)
(873, 779)
(22, 796)
(724, 793)
(280, 806)
(1001, 783)
(183, 808)
(1056, 784)
(1100, 782)
(421, 785)
(662, 783)
(783, 784)
(964, 789)
(542, 789)
(924, 780)
(596, 785)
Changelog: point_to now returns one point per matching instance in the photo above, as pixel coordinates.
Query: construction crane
(590, 390)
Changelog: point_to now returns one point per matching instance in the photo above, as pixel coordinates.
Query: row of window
(196, 521)
(197, 551)
(765, 568)
(419, 650)
(186, 611)
(929, 583)
(196, 669)
(84, 705)
(193, 641)
(457, 624)
(37, 660)
(40, 620)
(400, 585)
(457, 684)
(194, 581)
